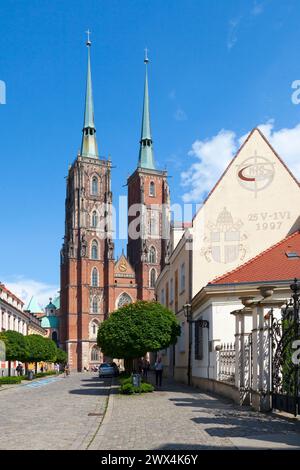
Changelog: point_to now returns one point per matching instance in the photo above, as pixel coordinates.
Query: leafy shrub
(128, 389)
(146, 388)
(10, 380)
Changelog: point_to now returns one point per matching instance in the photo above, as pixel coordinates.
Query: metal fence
(226, 362)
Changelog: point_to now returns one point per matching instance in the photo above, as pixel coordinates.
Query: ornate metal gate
(285, 369)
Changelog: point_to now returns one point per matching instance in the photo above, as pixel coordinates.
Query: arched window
(152, 278)
(54, 336)
(95, 305)
(152, 188)
(95, 186)
(94, 219)
(95, 277)
(124, 299)
(95, 354)
(152, 255)
(94, 250)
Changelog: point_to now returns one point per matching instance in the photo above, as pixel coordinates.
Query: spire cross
(146, 60)
(88, 42)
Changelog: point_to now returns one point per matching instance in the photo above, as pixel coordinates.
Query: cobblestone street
(67, 413)
(179, 417)
(52, 414)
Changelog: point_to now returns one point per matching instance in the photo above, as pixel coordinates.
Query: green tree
(135, 329)
(40, 349)
(16, 347)
(61, 356)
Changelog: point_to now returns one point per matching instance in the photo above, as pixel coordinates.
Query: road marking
(42, 382)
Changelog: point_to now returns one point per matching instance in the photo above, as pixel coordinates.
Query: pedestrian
(158, 371)
(18, 369)
(42, 368)
(67, 370)
(56, 368)
(146, 365)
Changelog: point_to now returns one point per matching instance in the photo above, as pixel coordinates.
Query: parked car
(108, 369)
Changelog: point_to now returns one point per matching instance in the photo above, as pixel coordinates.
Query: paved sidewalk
(180, 417)
(53, 414)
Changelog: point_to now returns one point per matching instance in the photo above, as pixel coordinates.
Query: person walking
(145, 368)
(67, 370)
(158, 371)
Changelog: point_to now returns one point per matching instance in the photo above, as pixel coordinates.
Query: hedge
(10, 380)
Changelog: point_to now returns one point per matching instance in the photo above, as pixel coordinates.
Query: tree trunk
(129, 365)
(9, 368)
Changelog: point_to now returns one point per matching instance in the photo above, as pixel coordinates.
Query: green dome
(50, 322)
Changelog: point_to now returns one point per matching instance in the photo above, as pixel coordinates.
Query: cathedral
(92, 282)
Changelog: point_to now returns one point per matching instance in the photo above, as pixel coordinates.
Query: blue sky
(215, 65)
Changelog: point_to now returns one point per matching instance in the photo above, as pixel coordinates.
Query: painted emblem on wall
(225, 240)
(255, 173)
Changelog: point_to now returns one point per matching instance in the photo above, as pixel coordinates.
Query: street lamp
(187, 310)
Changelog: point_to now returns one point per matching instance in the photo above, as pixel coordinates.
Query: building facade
(93, 282)
(247, 211)
(14, 317)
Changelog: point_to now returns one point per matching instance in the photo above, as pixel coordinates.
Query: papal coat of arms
(224, 240)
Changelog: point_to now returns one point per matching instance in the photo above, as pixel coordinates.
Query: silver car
(107, 370)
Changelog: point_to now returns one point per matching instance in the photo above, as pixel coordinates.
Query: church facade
(93, 282)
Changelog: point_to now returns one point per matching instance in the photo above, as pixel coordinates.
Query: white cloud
(257, 9)
(232, 32)
(180, 115)
(236, 23)
(214, 154)
(26, 288)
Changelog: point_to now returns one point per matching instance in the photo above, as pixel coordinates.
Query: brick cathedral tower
(149, 200)
(87, 255)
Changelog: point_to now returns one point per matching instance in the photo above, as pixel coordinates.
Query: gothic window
(94, 250)
(95, 277)
(94, 328)
(94, 186)
(152, 255)
(95, 305)
(124, 299)
(95, 354)
(94, 219)
(152, 189)
(182, 277)
(152, 278)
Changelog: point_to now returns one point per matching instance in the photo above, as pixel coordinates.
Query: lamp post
(187, 309)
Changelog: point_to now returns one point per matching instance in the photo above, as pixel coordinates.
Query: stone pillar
(254, 350)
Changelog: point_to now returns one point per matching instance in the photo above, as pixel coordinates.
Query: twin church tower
(93, 283)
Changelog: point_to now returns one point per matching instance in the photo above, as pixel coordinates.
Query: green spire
(89, 146)
(146, 157)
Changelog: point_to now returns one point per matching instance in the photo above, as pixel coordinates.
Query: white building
(254, 205)
(232, 355)
(13, 317)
